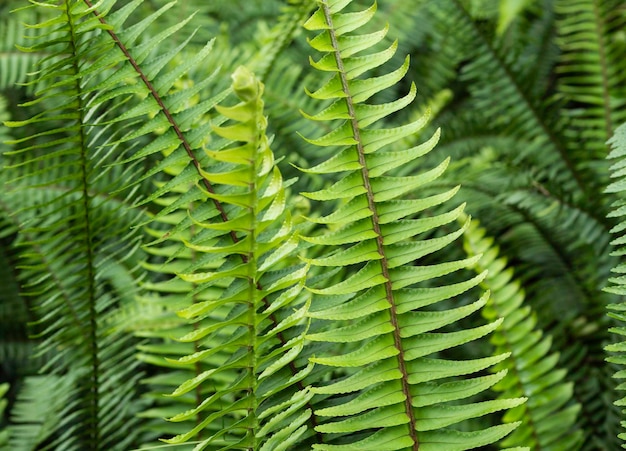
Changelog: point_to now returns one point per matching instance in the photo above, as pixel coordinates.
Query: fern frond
(618, 283)
(4, 433)
(543, 235)
(592, 71)
(532, 367)
(381, 403)
(289, 22)
(517, 112)
(78, 250)
(41, 402)
(554, 245)
(251, 349)
(532, 34)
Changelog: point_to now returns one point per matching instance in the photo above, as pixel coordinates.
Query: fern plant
(181, 294)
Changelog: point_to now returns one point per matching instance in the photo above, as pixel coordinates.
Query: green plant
(618, 142)
(182, 284)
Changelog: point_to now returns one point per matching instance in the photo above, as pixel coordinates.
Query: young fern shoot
(396, 393)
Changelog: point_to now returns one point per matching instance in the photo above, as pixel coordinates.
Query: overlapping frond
(249, 314)
(533, 369)
(517, 111)
(396, 393)
(78, 250)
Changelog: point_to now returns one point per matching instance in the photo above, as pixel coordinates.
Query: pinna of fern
(259, 403)
(395, 394)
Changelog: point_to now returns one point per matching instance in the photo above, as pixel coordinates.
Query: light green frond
(508, 10)
(240, 296)
(40, 404)
(385, 337)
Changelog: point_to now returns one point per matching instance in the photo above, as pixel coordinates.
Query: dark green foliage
(272, 261)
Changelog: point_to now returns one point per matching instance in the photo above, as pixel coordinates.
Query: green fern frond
(618, 283)
(78, 257)
(382, 402)
(551, 241)
(41, 402)
(540, 36)
(592, 70)
(517, 111)
(532, 368)
(259, 334)
(554, 245)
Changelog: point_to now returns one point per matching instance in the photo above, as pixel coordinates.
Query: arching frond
(618, 283)
(532, 368)
(394, 394)
(517, 111)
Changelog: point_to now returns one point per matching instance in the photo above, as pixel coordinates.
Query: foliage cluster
(244, 224)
